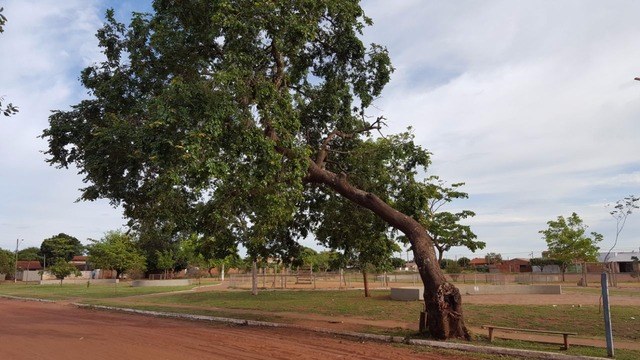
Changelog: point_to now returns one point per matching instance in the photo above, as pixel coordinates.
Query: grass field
(585, 320)
(71, 292)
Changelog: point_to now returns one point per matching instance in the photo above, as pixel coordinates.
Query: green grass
(331, 303)
(620, 354)
(586, 320)
(192, 311)
(598, 291)
(71, 292)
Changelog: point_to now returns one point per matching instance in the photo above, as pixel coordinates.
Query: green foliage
(166, 260)
(568, 243)
(204, 115)
(425, 200)
(397, 262)
(452, 267)
(493, 258)
(62, 268)
(61, 246)
(29, 254)
(7, 262)
(3, 20)
(10, 108)
(116, 251)
(464, 262)
(238, 121)
(363, 238)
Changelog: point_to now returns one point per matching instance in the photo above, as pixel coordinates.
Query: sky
(532, 104)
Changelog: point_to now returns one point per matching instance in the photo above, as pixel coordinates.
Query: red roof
(79, 258)
(478, 261)
(29, 265)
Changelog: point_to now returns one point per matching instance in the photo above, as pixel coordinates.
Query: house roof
(618, 256)
(80, 258)
(478, 261)
(30, 265)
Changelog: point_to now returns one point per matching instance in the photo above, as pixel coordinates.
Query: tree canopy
(30, 254)
(61, 246)
(62, 268)
(214, 115)
(116, 251)
(568, 241)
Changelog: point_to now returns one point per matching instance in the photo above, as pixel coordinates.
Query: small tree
(568, 243)
(493, 258)
(620, 212)
(166, 261)
(61, 269)
(116, 251)
(425, 201)
(61, 246)
(6, 262)
(464, 262)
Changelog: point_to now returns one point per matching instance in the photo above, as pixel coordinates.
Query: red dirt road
(33, 330)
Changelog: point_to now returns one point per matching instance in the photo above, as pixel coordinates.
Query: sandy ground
(34, 330)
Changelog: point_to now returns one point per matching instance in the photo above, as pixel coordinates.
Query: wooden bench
(565, 334)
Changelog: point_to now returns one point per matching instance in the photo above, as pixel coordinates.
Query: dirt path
(61, 331)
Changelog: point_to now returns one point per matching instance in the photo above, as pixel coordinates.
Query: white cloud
(44, 48)
(532, 104)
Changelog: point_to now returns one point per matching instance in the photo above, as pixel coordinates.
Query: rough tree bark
(443, 302)
(365, 280)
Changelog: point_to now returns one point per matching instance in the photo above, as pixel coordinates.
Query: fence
(323, 280)
(352, 280)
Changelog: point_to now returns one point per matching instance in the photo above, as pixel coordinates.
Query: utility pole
(15, 268)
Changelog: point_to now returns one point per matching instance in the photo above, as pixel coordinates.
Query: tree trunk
(443, 302)
(365, 280)
(254, 279)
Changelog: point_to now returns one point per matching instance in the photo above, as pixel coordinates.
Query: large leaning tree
(223, 113)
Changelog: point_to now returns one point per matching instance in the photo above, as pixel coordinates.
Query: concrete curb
(528, 354)
(27, 299)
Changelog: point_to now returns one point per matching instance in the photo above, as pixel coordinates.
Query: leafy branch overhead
(10, 109)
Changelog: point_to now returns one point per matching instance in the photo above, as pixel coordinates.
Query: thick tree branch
(324, 148)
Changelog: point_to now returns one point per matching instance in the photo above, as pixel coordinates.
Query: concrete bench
(565, 334)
